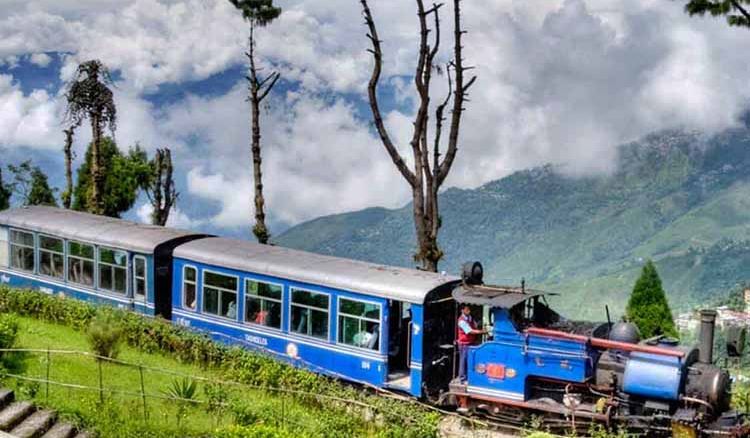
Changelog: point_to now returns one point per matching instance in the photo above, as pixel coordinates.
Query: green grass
(122, 415)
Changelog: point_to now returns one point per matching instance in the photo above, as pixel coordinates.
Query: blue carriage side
(91, 258)
(348, 319)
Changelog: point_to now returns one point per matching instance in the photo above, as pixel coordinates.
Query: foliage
(105, 335)
(217, 397)
(126, 174)
(648, 307)
(89, 96)
(257, 431)
(8, 330)
(5, 193)
(184, 391)
(236, 363)
(736, 11)
(257, 12)
(31, 185)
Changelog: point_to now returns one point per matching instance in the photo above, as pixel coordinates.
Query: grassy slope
(127, 417)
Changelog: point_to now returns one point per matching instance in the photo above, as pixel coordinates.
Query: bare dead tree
(258, 13)
(160, 189)
(67, 195)
(425, 178)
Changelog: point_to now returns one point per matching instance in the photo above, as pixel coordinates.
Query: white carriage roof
(401, 284)
(87, 227)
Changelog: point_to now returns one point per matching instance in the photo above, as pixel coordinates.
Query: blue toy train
(388, 327)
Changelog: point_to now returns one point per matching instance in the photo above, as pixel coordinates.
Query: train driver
(465, 337)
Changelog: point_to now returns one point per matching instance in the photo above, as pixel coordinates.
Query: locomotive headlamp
(472, 273)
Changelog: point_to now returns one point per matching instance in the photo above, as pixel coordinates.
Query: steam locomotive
(536, 361)
(387, 327)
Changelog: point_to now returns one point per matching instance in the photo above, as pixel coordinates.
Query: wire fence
(145, 378)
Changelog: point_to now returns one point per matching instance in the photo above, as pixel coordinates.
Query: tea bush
(8, 330)
(157, 335)
(105, 335)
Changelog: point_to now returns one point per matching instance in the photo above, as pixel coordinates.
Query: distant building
(689, 321)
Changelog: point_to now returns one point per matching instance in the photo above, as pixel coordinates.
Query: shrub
(8, 330)
(257, 431)
(105, 335)
(158, 335)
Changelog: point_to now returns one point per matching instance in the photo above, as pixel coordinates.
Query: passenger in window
(232, 310)
(261, 317)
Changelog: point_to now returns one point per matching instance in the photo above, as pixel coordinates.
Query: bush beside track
(393, 417)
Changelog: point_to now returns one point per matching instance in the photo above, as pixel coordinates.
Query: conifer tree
(648, 307)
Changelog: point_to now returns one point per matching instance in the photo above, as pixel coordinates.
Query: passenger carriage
(359, 321)
(88, 257)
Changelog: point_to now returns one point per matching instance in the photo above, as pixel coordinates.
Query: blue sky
(560, 81)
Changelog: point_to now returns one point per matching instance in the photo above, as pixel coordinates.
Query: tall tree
(160, 187)
(5, 193)
(648, 307)
(126, 174)
(258, 13)
(89, 96)
(67, 195)
(31, 185)
(429, 171)
(737, 12)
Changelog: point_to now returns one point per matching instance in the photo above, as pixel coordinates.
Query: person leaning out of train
(467, 335)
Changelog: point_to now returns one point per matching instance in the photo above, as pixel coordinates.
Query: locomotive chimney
(708, 320)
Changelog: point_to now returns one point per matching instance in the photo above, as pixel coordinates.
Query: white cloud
(318, 158)
(177, 219)
(560, 81)
(26, 120)
(40, 59)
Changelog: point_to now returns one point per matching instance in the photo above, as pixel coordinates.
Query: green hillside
(682, 199)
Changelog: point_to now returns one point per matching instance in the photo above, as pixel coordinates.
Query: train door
(399, 344)
(140, 282)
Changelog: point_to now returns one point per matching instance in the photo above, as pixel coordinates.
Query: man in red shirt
(466, 335)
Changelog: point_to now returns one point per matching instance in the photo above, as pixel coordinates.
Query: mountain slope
(680, 198)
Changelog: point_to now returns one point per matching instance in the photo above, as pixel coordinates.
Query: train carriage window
(81, 263)
(139, 276)
(220, 294)
(189, 286)
(22, 250)
(51, 257)
(359, 324)
(263, 303)
(113, 270)
(310, 313)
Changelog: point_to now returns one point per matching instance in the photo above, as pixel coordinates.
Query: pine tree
(648, 307)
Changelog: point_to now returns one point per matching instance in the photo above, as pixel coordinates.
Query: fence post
(143, 395)
(101, 382)
(46, 394)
